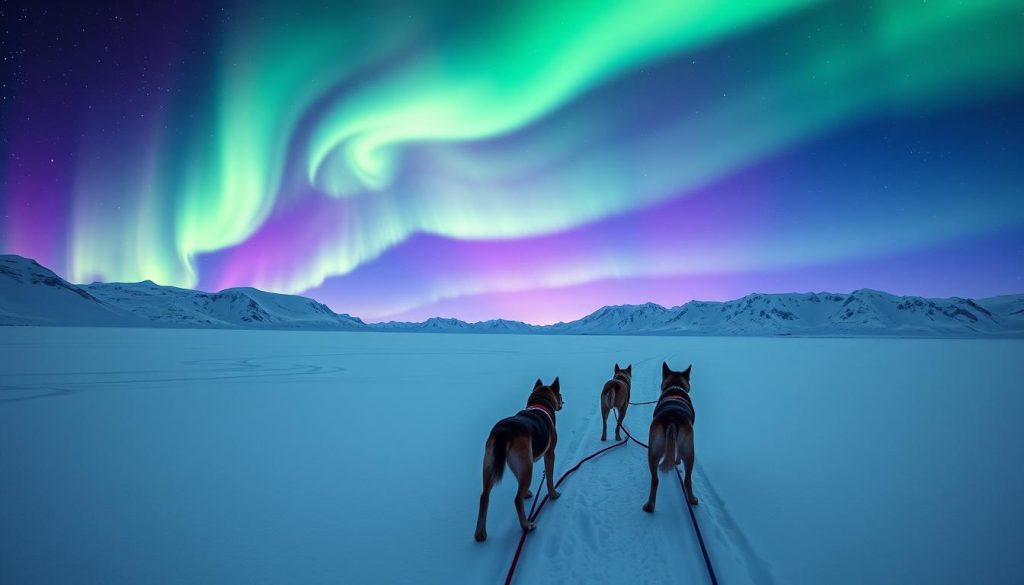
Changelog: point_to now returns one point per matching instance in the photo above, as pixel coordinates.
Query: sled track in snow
(593, 527)
(586, 530)
(56, 384)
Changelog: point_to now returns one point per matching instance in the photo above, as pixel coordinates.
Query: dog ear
(616, 367)
(686, 372)
(538, 384)
(629, 368)
(665, 370)
(555, 386)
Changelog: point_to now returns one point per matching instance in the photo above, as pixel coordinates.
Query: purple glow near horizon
(814, 148)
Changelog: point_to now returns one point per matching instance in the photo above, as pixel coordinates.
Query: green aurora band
(387, 117)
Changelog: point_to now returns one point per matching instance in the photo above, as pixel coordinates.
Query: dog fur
(671, 436)
(615, 394)
(515, 441)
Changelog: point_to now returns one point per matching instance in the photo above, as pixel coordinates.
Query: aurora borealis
(401, 160)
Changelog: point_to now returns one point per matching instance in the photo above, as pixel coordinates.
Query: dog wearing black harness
(671, 436)
(519, 441)
(615, 394)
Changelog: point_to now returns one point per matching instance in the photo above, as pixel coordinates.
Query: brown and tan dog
(671, 436)
(615, 394)
(519, 441)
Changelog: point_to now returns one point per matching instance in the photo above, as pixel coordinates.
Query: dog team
(520, 440)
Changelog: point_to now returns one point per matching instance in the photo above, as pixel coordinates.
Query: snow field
(188, 456)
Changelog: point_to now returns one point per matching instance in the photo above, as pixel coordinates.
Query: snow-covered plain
(234, 456)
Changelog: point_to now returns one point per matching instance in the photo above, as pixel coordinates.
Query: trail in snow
(597, 533)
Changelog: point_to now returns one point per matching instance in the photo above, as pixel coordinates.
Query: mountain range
(31, 294)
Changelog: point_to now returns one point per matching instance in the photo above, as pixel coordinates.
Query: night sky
(401, 160)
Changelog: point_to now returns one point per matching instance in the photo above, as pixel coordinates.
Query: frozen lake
(206, 456)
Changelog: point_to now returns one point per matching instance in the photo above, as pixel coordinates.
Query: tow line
(534, 513)
(689, 507)
(535, 509)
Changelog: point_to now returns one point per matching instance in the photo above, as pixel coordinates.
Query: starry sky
(528, 160)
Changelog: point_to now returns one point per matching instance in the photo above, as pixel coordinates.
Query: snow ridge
(30, 294)
(33, 295)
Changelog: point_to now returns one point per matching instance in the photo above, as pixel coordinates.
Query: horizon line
(440, 317)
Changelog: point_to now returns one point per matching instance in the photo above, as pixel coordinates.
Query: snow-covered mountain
(451, 325)
(33, 295)
(434, 324)
(862, 312)
(616, 318)
(233, 307)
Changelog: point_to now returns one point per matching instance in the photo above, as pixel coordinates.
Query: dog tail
(499, 453)
(610, 394)
(671, 438)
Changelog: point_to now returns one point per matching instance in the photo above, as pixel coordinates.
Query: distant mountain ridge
(233, 307)
(863, 312)
(31, 294)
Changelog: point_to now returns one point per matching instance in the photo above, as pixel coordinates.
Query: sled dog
(671, 436)
(615, 394)
(518, 441)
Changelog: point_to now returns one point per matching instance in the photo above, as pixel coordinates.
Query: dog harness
(544, 409)
(537, 420)
(675, 401)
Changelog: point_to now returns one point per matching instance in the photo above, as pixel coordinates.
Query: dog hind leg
(606, 406)
(520, 461)
(485, 495)
(687, 454)
(622, 417)
(655, 444)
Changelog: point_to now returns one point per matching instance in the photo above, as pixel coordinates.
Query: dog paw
(692, 499)
(604, 438)
(648, 507)
(529, 494)
(618, 438)
(555, 495)
(481, 535)
(528, 527)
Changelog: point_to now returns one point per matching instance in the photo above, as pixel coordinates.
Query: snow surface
(235, 456)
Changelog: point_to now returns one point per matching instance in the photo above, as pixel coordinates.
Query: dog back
(537, 423)
(674, 406)
(620, 384)
(536, 420)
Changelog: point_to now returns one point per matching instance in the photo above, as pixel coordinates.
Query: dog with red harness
(519, 441)
(671, 436)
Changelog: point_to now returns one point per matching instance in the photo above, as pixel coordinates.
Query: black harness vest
(674, 406)
(537, 419)
(539, 425)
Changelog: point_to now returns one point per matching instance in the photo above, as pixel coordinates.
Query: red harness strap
(545, 410)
